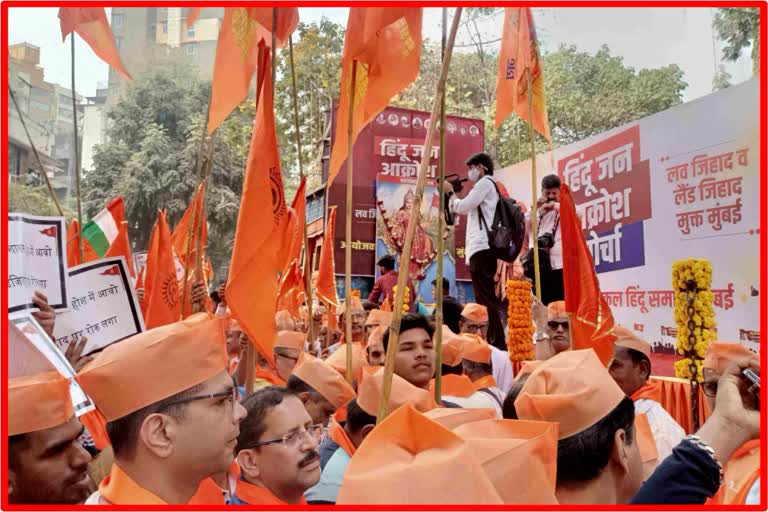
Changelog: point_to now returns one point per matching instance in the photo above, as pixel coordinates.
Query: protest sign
(37, 260)
(104, 307)
(139, 260)
(35, 333)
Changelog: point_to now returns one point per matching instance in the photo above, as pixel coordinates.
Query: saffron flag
(237, 55)
(520, 52)
(73, 246)
(252, 284)
(293, 237)
(161, 292)
(385, 42)
(91, 24)
(102, 230)
(326, 280)
(290, 286)
(182, 240)
(122, 247)
(592, 323)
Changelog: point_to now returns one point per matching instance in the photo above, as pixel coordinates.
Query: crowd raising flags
(254, 396)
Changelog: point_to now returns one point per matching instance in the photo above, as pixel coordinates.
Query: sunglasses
(709, 388)
(554, 325)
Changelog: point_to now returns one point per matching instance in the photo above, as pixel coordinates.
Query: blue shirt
(326, 490)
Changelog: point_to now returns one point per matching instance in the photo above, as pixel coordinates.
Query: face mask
(474, 174)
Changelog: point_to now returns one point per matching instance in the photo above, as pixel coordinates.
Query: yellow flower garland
(520, 321)
(693, 276)
(406, 297)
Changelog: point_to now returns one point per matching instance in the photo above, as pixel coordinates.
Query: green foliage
(33, 200)
(740, 29)
(722, 79)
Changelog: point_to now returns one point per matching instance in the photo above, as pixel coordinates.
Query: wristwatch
(540, 336)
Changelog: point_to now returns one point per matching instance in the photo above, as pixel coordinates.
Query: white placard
(35, 333)
(37, 260)
(103, 306)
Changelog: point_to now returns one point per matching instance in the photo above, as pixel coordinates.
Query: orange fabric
(73, 248)
(484, 382)
(91, 24)
(290, 281)
(572, 388)
(556, 310)
(454, 385)
(627, 339)
(155, 364)
(326, 381)
(591, 320)
(376, 37)
(208, 493)
(519, 457)
(257, 495)
(285, 322)
(406, 448)
(237, 54)
(338, 360)
(452, 417)
(38, 402)
(371, 386)
(646, 444)
(293, 237)
(526, 367)
(96, 425)
(676, 400)
(268, 374)
(452, 347)
(122, 247)
(118, 488)
(386, 306)
(741, 473)
(520, 52)
(720, 354)
(339, 436)
(475, 312)
(290, 339)
(182, 240)
(650, 391)
(475, 349)
(326, 281)
(252, 285)
(378, 317)
(161, 291)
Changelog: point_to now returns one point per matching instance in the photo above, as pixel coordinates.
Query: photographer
(550, 241)
(482, 263)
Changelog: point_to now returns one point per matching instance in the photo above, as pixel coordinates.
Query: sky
(644, 37)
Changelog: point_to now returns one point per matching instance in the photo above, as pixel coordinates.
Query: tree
(740, 29)
(722, 79)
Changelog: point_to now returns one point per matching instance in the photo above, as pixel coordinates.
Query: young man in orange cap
(631, 369)
(162, 392)
(476, 362)
(320, 388)
(415, 356)
(47, 464)
(474, 320)
(361, 420)
(288, 351)
(742, 471)
(276, 450)
(598, 459)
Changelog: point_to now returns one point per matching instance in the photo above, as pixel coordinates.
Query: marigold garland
(692, 278)
(406, 297)
(520, 321)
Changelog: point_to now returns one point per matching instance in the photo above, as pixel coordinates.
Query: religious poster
(37, 260)
(35, 334)
(683, 183)
(104, 306)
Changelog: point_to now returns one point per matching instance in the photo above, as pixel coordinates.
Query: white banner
(34, 333)
(37, 260)
(104, 307)
(683, 183)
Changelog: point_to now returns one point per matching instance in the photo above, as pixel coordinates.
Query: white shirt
(547, 225)
(484, 195)
(666, 432)
(480, 400)
(502, 369)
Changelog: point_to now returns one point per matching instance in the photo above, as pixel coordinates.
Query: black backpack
(505, 236)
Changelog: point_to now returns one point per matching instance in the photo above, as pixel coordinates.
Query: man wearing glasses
(172, 412)
(276, 450)
(554, 336)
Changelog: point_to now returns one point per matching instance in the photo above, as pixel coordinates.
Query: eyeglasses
(554, 325)
(709, 388)
(294, 359)
(314, 432)
(232, 394)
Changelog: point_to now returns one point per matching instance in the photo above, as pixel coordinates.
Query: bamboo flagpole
(440, 239)
(402, 278)
(207, 170)
(308, 262)
(37, 156)
(534, 205)
(348, 229)
(81, 238)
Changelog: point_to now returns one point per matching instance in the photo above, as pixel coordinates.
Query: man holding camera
(550, 241)
(482, 263)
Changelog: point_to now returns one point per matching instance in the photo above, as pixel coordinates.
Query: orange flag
(592, 323)
(289, 282)
(252, 284)
(179, 240)
(519, 52)
(293, 237)
(237, 55)
(91, 24)
(122, 247)
(73, 248)
(386, 44)
(162, 290)
(326, 280)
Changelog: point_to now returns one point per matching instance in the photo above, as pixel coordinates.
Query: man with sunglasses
(555, 337)
(276, 450)
(172, 412)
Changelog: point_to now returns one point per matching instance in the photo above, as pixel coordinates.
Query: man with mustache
(555, 336)
(276, 450)
(172, 413)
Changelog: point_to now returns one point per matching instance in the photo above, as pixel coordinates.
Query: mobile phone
(752, 377)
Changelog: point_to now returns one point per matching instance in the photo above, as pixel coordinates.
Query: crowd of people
(565, 429)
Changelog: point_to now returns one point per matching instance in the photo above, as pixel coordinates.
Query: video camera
(456, 182)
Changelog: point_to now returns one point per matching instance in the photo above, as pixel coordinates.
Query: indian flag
(102, 230)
